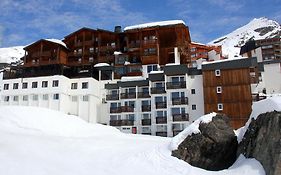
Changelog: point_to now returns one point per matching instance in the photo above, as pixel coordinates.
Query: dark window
(24, 85)
(34, 84)
(15, 86)
(73, 85)
(192, 91)
(44, 84)
(6, 86)
(56, 96)
(56, 83)
(85, 85)
(193, 107)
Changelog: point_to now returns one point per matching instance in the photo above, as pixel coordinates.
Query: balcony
(112, 97)
(146, 108)
(176, 85)
(158, 90)
(121, 122)
(162, 134)
(161, 105)
(180, 101)
(151, 59)
(115, 110)
(143, 95)
(180, 117)
(127, 109)
(161, 120)
(146, 122)
(128, 95)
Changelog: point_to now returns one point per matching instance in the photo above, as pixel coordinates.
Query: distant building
(202, 51)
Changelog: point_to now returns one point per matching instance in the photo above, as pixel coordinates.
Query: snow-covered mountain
(258, 28)
(11, 54)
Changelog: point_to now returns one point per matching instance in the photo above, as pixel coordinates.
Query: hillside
(258, 28)
(41, 141)
(11, 54)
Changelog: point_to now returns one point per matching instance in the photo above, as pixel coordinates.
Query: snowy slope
(36, 141)
(11, 54)
(258, 28)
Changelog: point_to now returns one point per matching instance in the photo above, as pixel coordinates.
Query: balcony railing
(176, 85)
(161, 120)
(121, 122)
(180, 117)
(162, 134)
(158, 90)
(112, 97)
(115, 110)
(127, 109)
(180, 101)
(146, 122)
(128, 95)
(143, 95)
(161, 105)
(146, 108)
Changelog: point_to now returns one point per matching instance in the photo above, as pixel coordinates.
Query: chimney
(117, 29)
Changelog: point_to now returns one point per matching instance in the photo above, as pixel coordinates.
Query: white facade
(79, 97)
(272, 78)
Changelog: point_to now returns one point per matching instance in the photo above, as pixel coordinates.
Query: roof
(154, 24)
(55, 41)
(79, 30)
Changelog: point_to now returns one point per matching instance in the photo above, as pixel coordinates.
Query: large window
(161, 113)
(151, 68)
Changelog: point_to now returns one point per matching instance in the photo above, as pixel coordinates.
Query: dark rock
(212, 149)
(262, 141)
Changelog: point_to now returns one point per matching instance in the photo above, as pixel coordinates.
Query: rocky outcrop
(262, 141)
(214, 148)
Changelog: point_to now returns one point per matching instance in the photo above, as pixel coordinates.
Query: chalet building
(227, 88)
(202, 51)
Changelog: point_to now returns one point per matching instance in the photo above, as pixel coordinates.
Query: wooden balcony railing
(161, 105)
(146, 122)
(146, 108)
(176, 85)
(180, 101)
(158, 90)
(121, 122)
(161, 120)
(112, 97)
(180, 117)
(143, 95)
(128, 95)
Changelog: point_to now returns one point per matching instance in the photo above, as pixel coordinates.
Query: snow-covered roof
(224, 60)
(132, 78)
(101, 65)
(153, 24)
(172, 64)
(156, 72)
(57, 41)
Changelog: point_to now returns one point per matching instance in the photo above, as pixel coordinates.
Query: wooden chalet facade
(227, 88)
(198, 51)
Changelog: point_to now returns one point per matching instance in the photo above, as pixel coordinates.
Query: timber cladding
(234, 94)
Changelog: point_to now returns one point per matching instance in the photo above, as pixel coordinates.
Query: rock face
(262, 141)
(212, 149)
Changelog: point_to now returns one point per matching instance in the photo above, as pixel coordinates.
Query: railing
(161, 105)
(128, 95)
(161, 120)
(180, 101)
(143, 95)
(127, 109)
(116, 110)
(112, 97)
(151, 41)
(146, 122)
(176, 85)
(158, 90)
(121, 122)
(181, 117)
(146, 108)
(162, 134)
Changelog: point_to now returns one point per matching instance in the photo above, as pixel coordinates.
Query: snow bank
(191, 129)
(11, 54)
(154, 24)
(101, 65)
(260, 107)
(60, 42)
(48, 122)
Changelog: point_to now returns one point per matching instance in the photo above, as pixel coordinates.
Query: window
(220, 107)
(6, 98)
(35, 97)
(44, 84)
(45, 97)
(91, 49)
(34, 84)
(56, 83)
(24, 85)
(151, 68)
(193, 107)
(74, 85)
(85, 98)
(85, 85)
(56, 96)
(192, 91)
(74, 98)
(91, 59)
(15, 86)
(6, 86)
(25, 98)
(16, 98)
(219, 89)
(217, 72)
